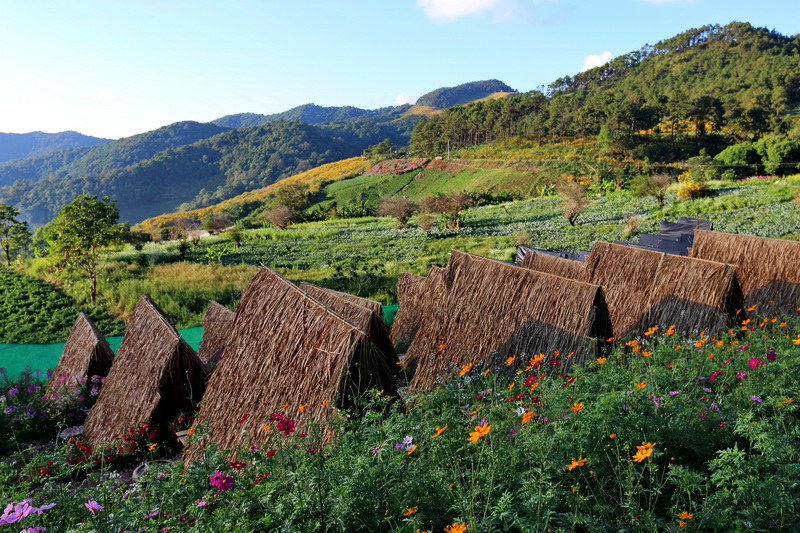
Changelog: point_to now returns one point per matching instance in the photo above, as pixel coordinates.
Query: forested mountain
(24, 145)
(735, 81)
(96, 160)
(462, 94)
(194, 175)
(312, 114)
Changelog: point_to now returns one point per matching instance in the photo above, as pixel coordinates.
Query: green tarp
(15, 357)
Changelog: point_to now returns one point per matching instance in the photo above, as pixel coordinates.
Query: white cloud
(403, 98)
(595, 60)
(445, 10)
(105, 95)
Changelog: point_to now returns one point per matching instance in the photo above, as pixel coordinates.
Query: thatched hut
(217, 324)
(286, 349)
(767, 269)
(410, 297)
(645, 288)
(487, 310)
(155, 377)
(367, 317)
(85, 354)
(551, 264)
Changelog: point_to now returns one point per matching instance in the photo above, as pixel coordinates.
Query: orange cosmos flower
(580, 461)
(527, 417)
(720, 344)
(302, 407)
(480, 431)
(455, 528)
(641, 385)
(701, 342)
(786, 401)
(442, 347)
(464, 369)
(410, 511)
(439, 431)
(576, 407)
(634, 342)
(600, 360)
(326, 402)
(511, 360)
(411, 449)
(670, 330)
(752, 307)
(511, 385)
(644, 451)
(685, 516)
(612, 436)
(647, 354)
(651, 331)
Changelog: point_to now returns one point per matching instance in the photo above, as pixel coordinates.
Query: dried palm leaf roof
(487, 310)
(155, 377)
(767, 269)
(410, 297)
(645, 288)
(285, 349)
(85, 354)
(558, 266)
(217, 324)
(375, 306)
(369, 319)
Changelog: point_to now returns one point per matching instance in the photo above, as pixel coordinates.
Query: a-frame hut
(286, 349)
(86, 353)
(644, 288)
(373, 305)
(410, 297)
(155, 377)
(551, 264)
(487, 310)
(217, 324)
(767, 269)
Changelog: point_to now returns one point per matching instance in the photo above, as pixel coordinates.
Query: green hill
(462, 94)
(24, 145)
(311, 114)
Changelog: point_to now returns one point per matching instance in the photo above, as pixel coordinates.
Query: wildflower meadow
(668, 430)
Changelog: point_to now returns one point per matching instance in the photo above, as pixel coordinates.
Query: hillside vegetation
(25, 145)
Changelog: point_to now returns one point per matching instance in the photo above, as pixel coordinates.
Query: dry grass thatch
(487, 310)
(550, 264)
(85, 354)
(217, 324)
(767, 269)
(155, 377)
(369, 319)
(286, 349)
(410, 297)
(645, 288)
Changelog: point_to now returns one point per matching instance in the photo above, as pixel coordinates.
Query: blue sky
(113, 68)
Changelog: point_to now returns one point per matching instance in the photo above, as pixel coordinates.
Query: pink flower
(287, 425)
(201, 503)
(16, 511)
(220, 481)
(741, 374)
(754, 362)
(93, 506)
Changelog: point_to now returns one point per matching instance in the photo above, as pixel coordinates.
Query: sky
(115, 68)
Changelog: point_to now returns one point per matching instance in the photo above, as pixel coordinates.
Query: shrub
(280, 216)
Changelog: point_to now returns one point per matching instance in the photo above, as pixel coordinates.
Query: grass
(668, 430)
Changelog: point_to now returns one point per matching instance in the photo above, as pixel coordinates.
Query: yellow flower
(439, 431)
(464, 369)
(152, 446)
(641, 385)
(410, 511)
(455, 528)
(527, 417)
(580, 461)
(480, 431)
(600, 360)
(685, 516)
(576, 407)
(510, 360)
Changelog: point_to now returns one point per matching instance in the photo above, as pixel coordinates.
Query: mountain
(312, 114)
(462, 94)
(24, 145)
(705, 88)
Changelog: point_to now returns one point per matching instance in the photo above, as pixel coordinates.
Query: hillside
(311, 114)
(462, 94)
(25, 145)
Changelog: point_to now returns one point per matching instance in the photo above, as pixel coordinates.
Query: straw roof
(645, 288)
(217, 324)
(155, 377)
(85, 354)
(488, 310)
(375, 306)
(558, 266)
(288, 349)
(767, 268)
(410, 297)
(369, 319)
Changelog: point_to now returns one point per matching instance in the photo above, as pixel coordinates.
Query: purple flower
(376, 449)
(707, 390)
(756, 398)
(674, 392)
(715, 407)
(93, 506)
(399, 446)
(657, 399)
(16, 511)
(742, 347)
(220, 481)
(12, 391)
(408, 439)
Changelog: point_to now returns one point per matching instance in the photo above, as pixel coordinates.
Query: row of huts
(312, 350)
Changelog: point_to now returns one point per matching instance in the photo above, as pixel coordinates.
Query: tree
(294, 196)
(14, 233)
(655, 186)
(80, 234)
(398, 207)
(574, 195)
(279, 216)
(449, 205)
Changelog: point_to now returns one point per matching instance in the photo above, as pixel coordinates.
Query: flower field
(667, 431)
